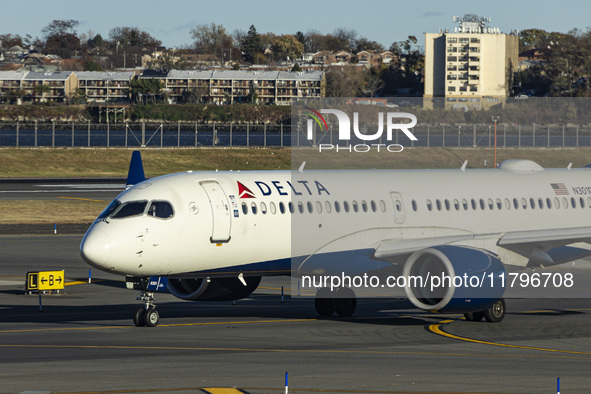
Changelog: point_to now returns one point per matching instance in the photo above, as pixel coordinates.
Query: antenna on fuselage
(135, 174)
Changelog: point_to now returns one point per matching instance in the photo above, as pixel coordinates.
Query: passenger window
(473, 204)
(499, 204)
(465, 204)
(507, 204)
(582, 202)
(364, 205)
(447, 205)
(532, 203)
(132, 208)
(491, 206)
(382, 205)
(438, 204)
(253, 208)
(373, 206)
(523, 203)
(556, 202)
(414, 205)
(290, 206)
(589, 201)
(263, 208)
(337, 207)
(573, 202)
(346, 206)
(482, 206)
(328, 206)
(161, 209)
(355, 206)
(549, 203)
(429, 205)
(398, 205)
(282, 207)
(515, 203)
(564, 203)
(540, 203)
(310, 207)
(272, 208)
(319, 206)
(244, 208)
(300, 207)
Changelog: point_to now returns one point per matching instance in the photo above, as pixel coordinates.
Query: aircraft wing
(395, 248)
(558, 237)
(541, 247)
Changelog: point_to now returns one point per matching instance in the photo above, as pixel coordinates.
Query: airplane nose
(95, 249)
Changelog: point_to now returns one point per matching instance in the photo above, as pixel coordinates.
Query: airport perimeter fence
(182, 134)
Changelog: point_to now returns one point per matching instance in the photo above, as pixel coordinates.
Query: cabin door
(398, 207)
(220, 211)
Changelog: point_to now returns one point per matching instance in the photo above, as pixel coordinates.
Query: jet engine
(215, 289)
(453, 279)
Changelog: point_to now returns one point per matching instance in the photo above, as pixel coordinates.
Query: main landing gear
(147, 315)
(494, 314)
(342, 301)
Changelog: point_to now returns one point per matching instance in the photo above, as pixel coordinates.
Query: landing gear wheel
(324, 306)
(474, 316)
(139, 317)
(151, 317)
(346, 303)
(146, 315)
(345, 306)
(496, 312)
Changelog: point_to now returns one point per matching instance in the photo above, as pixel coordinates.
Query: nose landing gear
(146, 316)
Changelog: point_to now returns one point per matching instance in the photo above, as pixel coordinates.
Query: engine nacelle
(215, 289)
(454, 279)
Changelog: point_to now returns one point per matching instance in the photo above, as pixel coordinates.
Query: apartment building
(11, 83)
(472, 67)
(211, 86)
(48, 87)
(100, 87)
(239, 86)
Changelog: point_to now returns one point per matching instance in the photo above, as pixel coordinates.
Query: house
(375, 59)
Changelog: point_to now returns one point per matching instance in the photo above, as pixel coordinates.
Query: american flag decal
(560, 189)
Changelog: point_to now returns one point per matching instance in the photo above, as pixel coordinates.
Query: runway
(54, 188)
(84, 340)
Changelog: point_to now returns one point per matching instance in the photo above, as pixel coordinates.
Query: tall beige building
(471, 67)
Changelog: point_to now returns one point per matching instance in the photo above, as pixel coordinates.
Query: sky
(384, 21)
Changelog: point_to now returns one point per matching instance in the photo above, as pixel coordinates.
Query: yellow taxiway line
(437, 329)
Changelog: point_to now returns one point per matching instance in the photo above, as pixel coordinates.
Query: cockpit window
(131, 208)
(109, 209)
(160, 209)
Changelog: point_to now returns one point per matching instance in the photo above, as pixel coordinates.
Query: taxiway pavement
(84, 340)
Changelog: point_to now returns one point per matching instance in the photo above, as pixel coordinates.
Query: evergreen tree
(252, 44)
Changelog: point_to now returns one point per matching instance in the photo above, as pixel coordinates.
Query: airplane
(211, 236)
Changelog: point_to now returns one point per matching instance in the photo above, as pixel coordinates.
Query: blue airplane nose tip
(95, 249)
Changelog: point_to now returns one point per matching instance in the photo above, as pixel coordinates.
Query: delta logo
(244, 192)
(298, 188)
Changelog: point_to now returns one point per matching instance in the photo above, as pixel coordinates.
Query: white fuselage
(242, 220)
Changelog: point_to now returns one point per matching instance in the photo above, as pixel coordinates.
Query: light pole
(495, 119)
